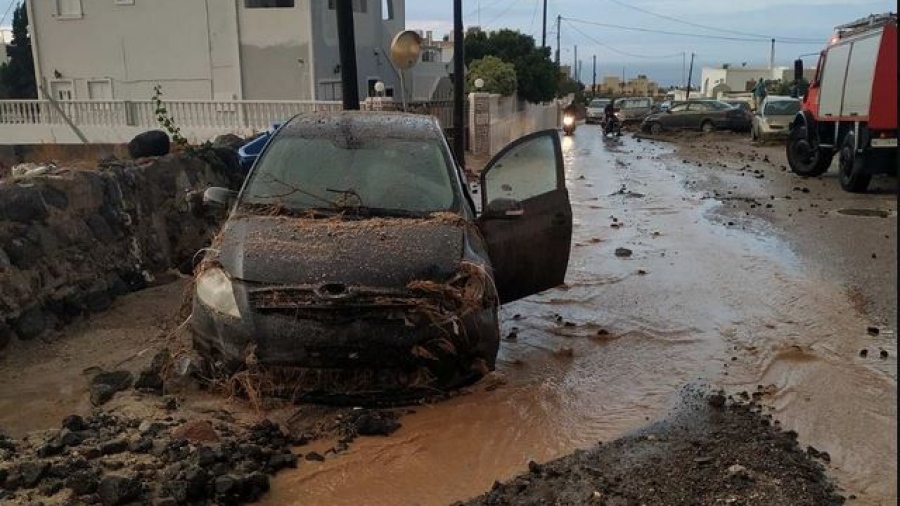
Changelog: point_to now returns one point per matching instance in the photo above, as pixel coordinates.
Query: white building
(207, 49)
(716, 81)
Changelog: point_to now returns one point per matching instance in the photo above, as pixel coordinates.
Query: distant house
(716, 82)
(207, 50)
(5, 38)
(430, 78)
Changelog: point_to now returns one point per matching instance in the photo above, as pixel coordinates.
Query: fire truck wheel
(852, 175)
(804, 157)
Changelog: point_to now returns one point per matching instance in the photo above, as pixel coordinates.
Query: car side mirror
(503, 209)
(215, 196)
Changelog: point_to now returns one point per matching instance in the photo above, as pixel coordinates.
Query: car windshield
(782, 108)
(598, 104)
(376, 175)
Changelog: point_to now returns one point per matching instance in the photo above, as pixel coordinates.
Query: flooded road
(692, 298)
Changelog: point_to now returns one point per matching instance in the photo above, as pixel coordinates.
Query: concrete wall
(71, 242)
(276, 60)
(62, 134)
(190, 47)
(495, 121)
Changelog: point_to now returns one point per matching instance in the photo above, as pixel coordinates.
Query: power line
(8, 8)
(681, 34)
(502, 13)
(712, 28)
(625, 53)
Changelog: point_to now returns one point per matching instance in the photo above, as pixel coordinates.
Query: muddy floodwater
(663, 289)
(682, 272)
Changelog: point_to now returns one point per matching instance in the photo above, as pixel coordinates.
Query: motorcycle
(611, 125)
(568, 124)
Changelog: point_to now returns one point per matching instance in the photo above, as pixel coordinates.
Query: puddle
(868, 213)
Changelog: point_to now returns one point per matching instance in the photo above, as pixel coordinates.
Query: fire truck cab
(850, 109)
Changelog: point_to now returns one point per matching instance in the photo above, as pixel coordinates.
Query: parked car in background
(356, 247)
(633, 109)
(774, 116)
(595, 110)
(704, 115)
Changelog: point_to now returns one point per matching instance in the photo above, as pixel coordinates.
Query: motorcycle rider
(609, 115)
(570, 110)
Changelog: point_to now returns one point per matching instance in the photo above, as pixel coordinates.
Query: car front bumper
(342, 336)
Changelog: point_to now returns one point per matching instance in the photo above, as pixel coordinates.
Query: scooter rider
(609, 112)
(570, 110)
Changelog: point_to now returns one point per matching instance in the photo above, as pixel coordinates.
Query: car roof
(363, 124)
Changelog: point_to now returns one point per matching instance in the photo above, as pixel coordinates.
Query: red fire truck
(851, 107)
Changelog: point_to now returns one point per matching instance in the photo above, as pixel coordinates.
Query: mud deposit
(711, 451)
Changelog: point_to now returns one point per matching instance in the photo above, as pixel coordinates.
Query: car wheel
(655, 128)
(707, 126)
(804, 158)
(851, 174)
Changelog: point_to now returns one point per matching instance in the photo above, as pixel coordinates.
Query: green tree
(498, 75)
(535, 73)
(17, 76)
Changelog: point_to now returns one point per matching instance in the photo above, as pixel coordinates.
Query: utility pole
(772, 55)
(594, 80)
(687, 91)
(459, 129)
(683, 68)
(575, 64)
(544, 37)
(558, 23)
(347, 48)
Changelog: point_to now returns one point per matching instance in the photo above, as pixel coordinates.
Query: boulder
(151, 143)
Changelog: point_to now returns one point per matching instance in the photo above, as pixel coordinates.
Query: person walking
(759, 92)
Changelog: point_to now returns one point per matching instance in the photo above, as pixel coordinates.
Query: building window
(387, 10)
(358, 5)
(100, 89)
(267, 4)
(69, 9)
(124, 2)
(330, 90)
(62, 90)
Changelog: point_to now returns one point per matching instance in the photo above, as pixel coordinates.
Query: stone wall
(71, 240)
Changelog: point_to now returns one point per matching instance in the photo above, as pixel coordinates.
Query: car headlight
(215, 291)
(568, 120)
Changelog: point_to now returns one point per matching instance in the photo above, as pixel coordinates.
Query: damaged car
(355, 248)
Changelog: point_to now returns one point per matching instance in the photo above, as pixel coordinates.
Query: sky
(799, 27)
(805, 25)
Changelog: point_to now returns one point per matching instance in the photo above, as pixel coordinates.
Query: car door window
(527, 170)
(698, 107)
(678, 108)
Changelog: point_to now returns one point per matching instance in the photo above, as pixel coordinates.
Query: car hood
(375, 252)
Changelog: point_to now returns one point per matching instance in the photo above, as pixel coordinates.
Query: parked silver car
(595, 110)
(774, 116)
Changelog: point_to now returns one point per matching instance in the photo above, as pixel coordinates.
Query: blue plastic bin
(250, 151)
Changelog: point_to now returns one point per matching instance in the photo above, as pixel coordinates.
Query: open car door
(526, 217)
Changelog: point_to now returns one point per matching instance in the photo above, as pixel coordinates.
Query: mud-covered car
(355, 246)
(704, 115)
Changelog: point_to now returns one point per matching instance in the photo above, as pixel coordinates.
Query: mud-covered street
(698, 263)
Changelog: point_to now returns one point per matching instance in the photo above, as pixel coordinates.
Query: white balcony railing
(224, 115)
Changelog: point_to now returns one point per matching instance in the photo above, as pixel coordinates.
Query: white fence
(511, 119)
(38, 121)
